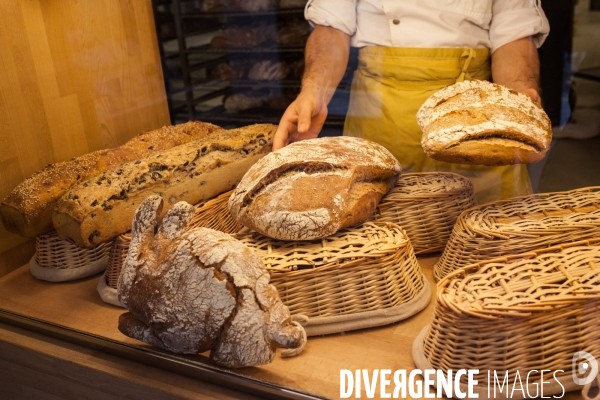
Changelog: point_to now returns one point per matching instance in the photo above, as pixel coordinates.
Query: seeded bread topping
(27, 210)
(102, 208)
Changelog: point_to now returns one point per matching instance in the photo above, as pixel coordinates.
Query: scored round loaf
(482, 123)
(193, 290)
(313, 188)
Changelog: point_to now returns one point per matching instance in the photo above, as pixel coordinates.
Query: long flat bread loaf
(102, 208)
(27, 210)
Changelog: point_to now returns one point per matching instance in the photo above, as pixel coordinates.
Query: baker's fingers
(533, 95)
(286, 125)
(281, 136)
(305, 116)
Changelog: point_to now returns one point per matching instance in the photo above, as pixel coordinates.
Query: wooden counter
(77, 306)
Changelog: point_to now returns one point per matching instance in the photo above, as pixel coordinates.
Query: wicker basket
(519, 313)
(212, 213)
(521, 225)
(426, 206)
(58, 260)
(357, 278)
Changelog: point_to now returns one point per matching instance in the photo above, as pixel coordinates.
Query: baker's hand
(303, 119)
(533, 95)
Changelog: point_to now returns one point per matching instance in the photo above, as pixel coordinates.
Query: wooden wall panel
(77, 76)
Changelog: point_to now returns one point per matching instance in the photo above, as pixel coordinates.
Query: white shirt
(432, 23)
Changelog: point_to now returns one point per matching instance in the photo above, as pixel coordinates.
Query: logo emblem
(584, 368)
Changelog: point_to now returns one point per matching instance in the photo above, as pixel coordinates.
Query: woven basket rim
(463, 272)
(51, 251)
(447, 193)
(512, 200)
(379, 225)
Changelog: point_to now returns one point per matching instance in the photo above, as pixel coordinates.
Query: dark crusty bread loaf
(102, 208)
(478, 122)
(313, 188)
(193, 290)
(27, 211)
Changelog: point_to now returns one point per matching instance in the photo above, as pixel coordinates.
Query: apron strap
(466, 58)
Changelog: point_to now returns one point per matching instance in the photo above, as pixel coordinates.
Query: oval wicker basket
(519, 225)
(426, 205)
(59, 260)
(521, 313)
(356, 282)
(357, 278)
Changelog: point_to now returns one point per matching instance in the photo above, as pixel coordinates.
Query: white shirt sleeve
(516, 19)
(338, 14)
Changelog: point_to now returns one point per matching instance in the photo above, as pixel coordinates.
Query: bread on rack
(292, 3)
(27, 210)
(245, 36)
(280, 100)
(190, 291)
(268, 70)
(482, 123)
(99, 209)
(312, 188)
(297, 68)
(256, 5)
(244, 101)
(294, 33)
(232, 70)
(236, 5)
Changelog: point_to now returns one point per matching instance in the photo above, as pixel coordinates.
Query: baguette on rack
(99, 209)
(27, 210)
(312, 188)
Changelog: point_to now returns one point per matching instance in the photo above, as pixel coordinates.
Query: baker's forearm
(326, 58)
(517, 66)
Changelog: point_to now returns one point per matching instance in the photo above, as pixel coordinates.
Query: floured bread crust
(482, 123)
(190, 291)
(99, 209)
(312, 188)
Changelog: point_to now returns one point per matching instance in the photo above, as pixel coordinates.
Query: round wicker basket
(521, 313)
(58, 260)
(359, 277)
(426, 205)
(520, 225)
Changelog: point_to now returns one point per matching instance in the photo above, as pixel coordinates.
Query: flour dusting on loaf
(190, 291)
(313, 188)
(478, 122)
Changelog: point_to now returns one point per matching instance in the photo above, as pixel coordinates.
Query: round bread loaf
(312, 188)
(482, 123)
(268, 70)
(193, 290)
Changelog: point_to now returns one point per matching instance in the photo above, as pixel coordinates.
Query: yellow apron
(390, 85)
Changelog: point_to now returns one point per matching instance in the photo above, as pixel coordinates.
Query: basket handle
(303, 340)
